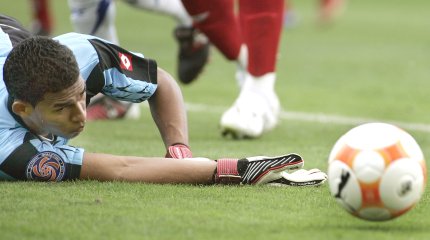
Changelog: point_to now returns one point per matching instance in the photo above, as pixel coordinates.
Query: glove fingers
(302, 177)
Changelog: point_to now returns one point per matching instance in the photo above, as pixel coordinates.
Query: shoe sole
(234, 134)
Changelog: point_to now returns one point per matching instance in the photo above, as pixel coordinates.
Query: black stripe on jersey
(94, 83)
(15, 165)
(143, 69)
(14, 29)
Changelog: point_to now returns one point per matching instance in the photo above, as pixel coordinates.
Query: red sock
(43, 15)
(261, 22)
(221, 26)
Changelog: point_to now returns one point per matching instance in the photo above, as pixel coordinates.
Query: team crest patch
(46, 166)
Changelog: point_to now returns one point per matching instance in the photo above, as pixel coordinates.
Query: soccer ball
(376, 171)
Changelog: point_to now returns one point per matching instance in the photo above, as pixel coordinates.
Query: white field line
(317, 117)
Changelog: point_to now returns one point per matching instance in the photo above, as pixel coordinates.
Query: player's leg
(257, 108)
(42, 19)
(193, 52)
(218, 22)
(173, 8)
(97, 17)
(94, 17)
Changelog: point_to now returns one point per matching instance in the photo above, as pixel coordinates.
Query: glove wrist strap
(227, 172)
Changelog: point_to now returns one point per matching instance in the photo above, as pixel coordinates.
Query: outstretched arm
(168, 110)
(251, 170)
(106, 167)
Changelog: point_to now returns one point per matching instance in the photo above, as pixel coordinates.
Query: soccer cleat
(251, 115)
(193, 53)
(240, 123)
(105, 108)
(255, 170)
(302, 177)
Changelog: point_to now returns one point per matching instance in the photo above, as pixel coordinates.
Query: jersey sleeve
(112, 70)
(26, 157)
(128, 76)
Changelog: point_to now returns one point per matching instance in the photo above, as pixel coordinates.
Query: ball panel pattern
(377, 171)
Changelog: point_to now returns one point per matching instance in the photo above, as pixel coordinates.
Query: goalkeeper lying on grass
(44, 91)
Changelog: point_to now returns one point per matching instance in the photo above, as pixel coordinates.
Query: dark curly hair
(39, 65)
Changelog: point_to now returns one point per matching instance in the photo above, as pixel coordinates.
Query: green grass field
(371, 65)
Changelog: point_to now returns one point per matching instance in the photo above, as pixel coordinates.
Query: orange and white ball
(376, 171)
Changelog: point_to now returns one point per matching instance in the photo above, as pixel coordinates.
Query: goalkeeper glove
(268, 170)
(255, 170)
(302, 177)
(179, 151)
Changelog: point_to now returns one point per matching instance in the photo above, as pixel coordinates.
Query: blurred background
(370, 61)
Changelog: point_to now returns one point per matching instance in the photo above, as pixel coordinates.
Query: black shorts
(14, 28)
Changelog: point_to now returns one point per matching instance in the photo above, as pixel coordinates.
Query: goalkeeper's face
(61, 113)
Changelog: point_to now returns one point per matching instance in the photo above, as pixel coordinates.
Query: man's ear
(21, 108)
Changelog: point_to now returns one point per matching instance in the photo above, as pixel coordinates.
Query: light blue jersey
(106, 68)
(126, 76)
